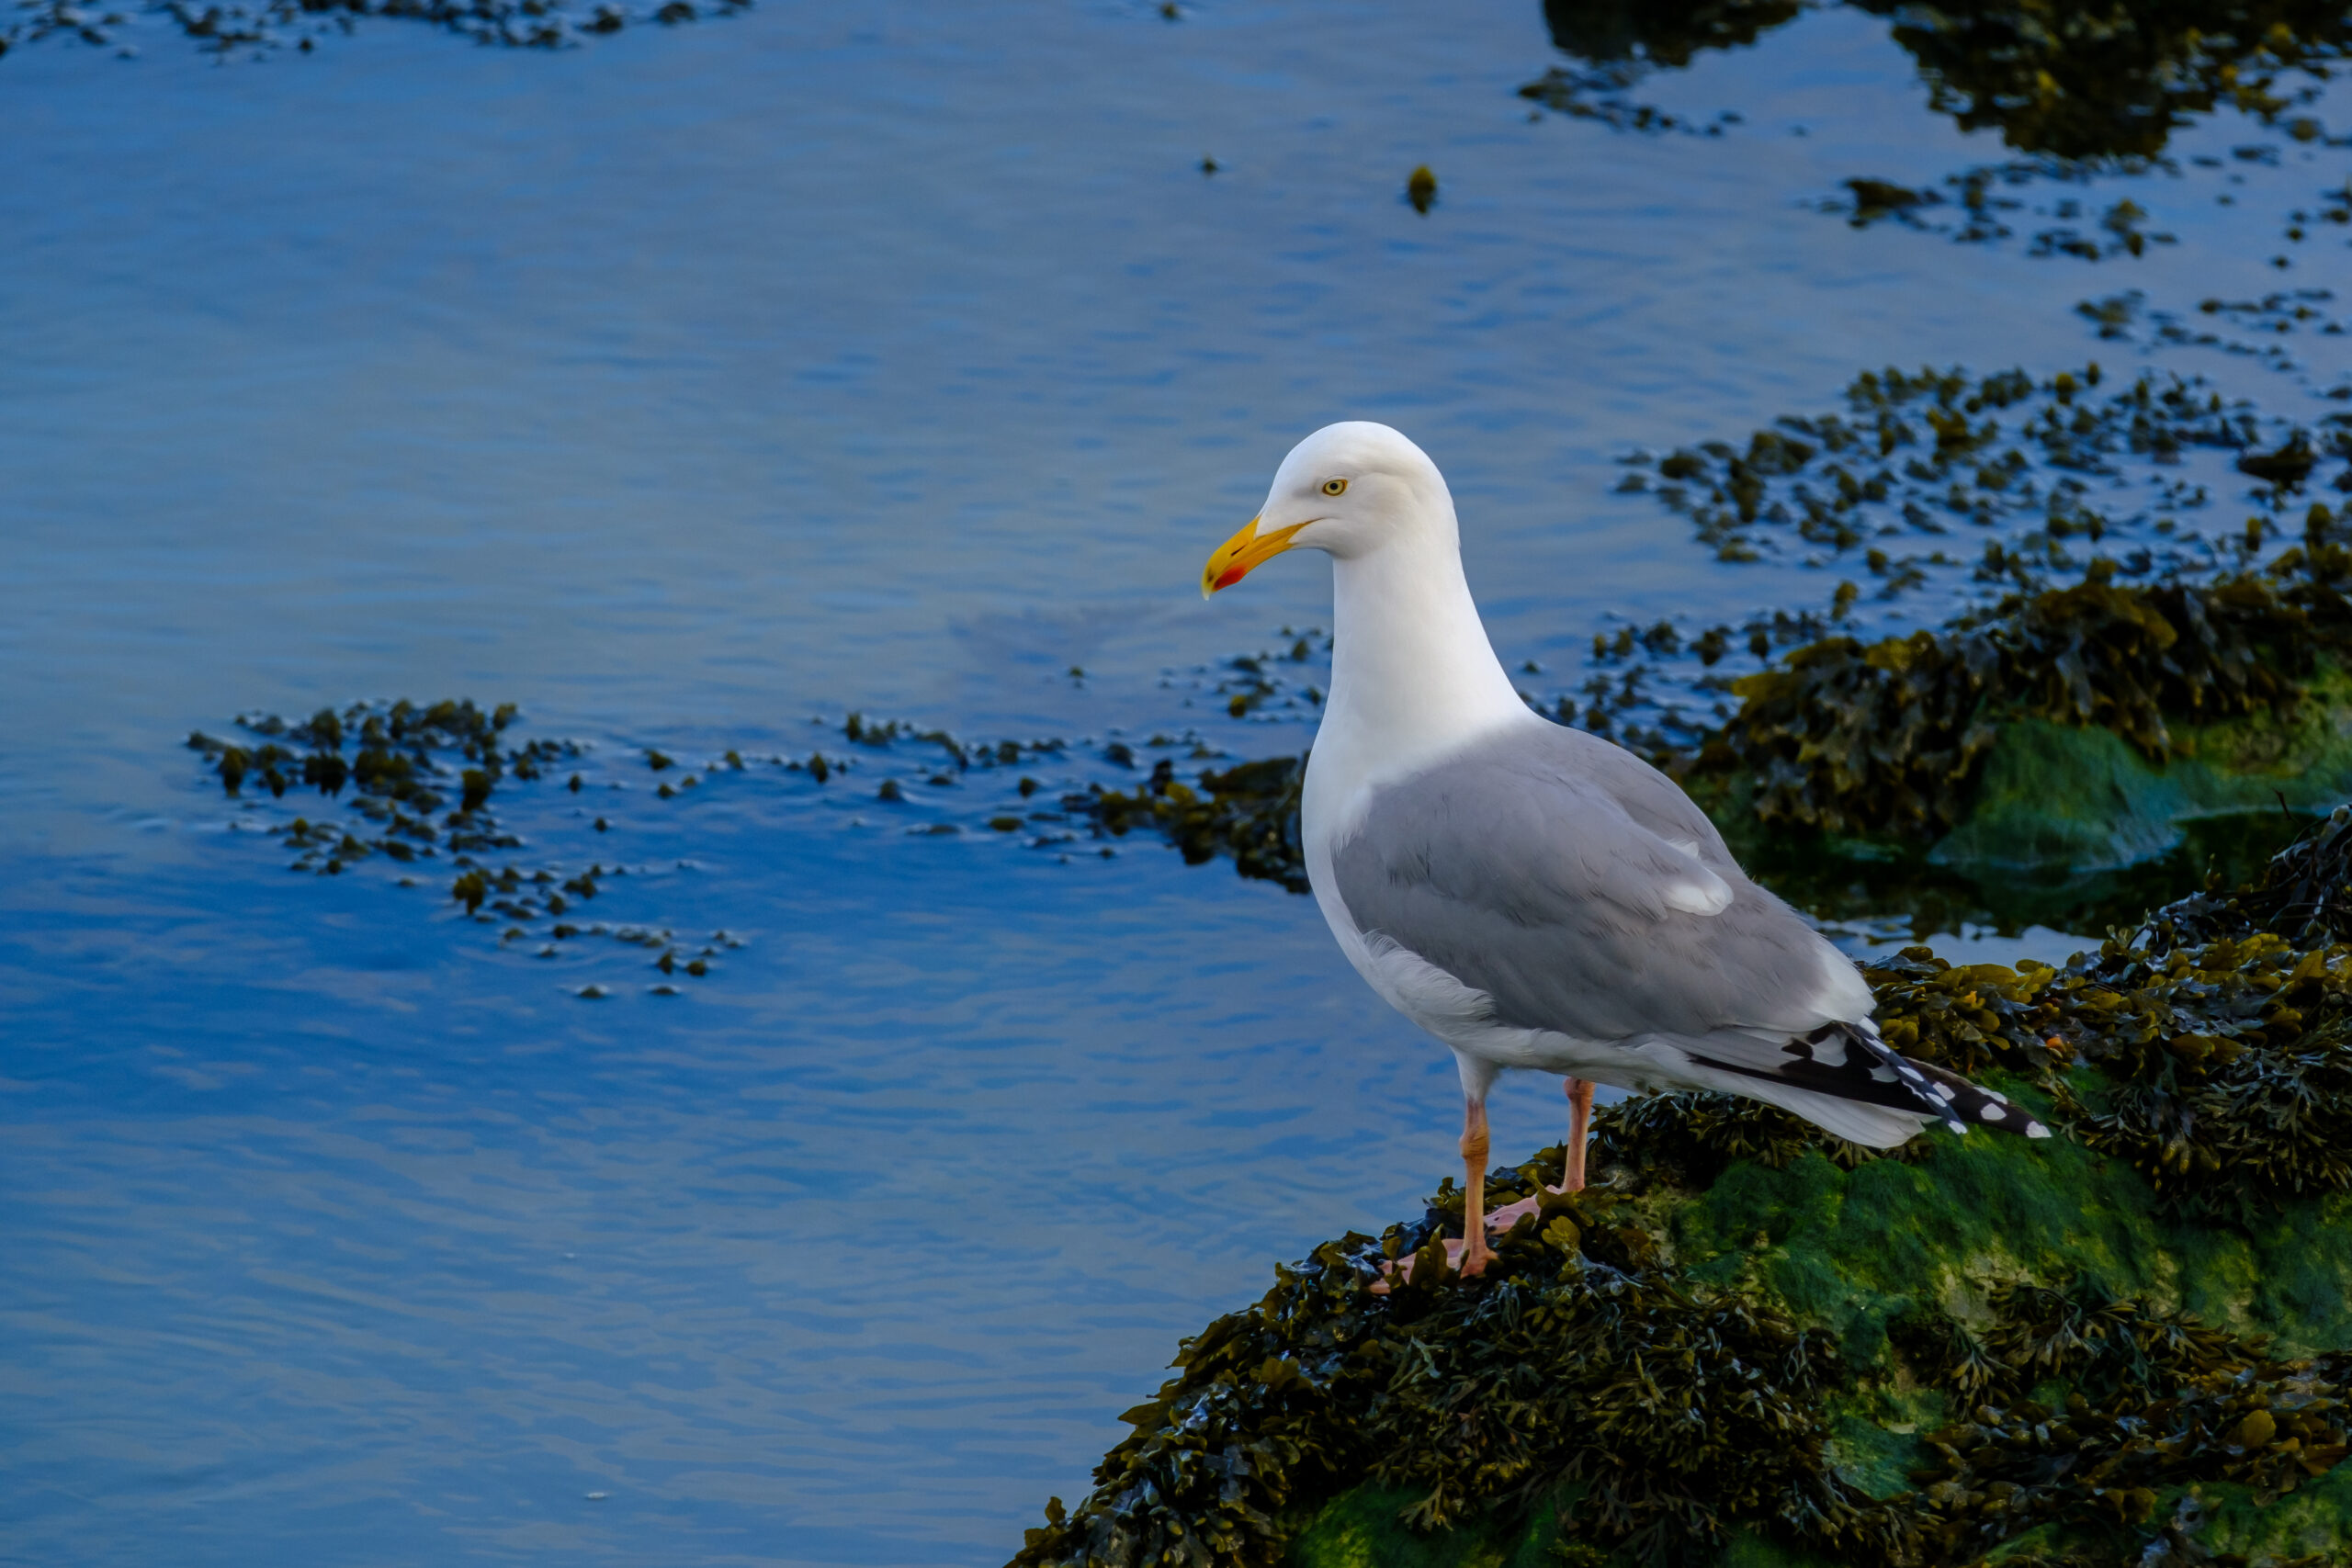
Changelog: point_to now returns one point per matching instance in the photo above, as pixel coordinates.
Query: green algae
(2083, 799)
(1750, 1343)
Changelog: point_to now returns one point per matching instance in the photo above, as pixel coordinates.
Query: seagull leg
(1579, 1130)
(1571, 1153)
(1474, 1254)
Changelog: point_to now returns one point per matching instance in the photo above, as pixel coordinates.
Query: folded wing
(1584, 893)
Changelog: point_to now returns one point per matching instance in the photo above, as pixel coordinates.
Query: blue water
(683, 388)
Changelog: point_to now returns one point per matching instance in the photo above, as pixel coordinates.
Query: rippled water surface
(680, 389)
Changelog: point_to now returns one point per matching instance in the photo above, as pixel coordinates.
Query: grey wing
(1585, 894)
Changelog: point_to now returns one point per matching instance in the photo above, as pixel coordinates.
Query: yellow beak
(1243, 554)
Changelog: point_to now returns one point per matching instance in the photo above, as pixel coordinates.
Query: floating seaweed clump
(1614, 47)
(2078, 91)
(2255, 327)
(1943, 489)
(1921, 455)
(419, 784)
(401, 764)
(1248, 813)
(233, 27)
(387, 754)
(2096, 1350)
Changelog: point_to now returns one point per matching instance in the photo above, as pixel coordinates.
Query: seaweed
(257, 26)
(1884, 747)
(1891, 737)
(1248, 813)
(393, 773)
(2076, 83)
(2015, 459)
(396, 765)
(1647, 1414)
(1656, 1367)
(2102, 81)
(2249, 328)
(1614, 47)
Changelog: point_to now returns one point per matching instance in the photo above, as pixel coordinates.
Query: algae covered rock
(2078, 728)
(1751, 1343)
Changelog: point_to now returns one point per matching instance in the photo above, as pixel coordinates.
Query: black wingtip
(1962, 1105)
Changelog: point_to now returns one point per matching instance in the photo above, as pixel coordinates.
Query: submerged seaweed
(1920, 455)
(2083, 83)
(252, 27)
(1594, 1391)
(2109, 82)
(401, 764)
(2079, 91)
(389, 755)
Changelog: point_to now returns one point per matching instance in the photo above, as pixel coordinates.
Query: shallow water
(682, 387)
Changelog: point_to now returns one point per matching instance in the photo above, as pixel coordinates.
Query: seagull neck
(1409, 657)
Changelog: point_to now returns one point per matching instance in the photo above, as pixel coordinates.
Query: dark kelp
(2114, 1348)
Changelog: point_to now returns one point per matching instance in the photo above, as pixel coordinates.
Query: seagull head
(1348, 489)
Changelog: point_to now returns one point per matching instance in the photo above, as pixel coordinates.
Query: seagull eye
(1335, 487)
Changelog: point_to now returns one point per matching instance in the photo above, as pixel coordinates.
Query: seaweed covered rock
(2077, 727)
(1751, 1343)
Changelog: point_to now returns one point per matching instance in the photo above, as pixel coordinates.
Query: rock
(1751, 1343)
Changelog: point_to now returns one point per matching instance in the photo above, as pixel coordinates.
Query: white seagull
(1530, 894)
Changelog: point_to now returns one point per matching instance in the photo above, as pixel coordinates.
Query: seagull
(1534, 896)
